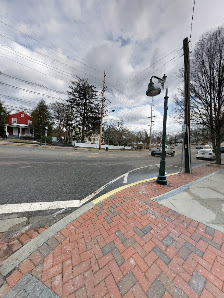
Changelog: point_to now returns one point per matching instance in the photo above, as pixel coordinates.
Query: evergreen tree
(85, 107)
(41, 118)
(3, 115)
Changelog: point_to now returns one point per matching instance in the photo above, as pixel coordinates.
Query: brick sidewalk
(10, 242)
(130, 246)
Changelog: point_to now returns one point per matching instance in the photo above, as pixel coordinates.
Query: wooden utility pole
(187, 146)
(101, 122)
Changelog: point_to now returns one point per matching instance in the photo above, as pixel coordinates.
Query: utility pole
(187, 146)
(101, 122)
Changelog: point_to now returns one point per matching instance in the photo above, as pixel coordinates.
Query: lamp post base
(161, 180)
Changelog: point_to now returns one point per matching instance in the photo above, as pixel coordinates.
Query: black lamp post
(152, 91)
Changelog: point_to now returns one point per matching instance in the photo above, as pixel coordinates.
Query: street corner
(127, 246)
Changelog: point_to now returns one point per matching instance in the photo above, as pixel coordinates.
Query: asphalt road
(37, 174)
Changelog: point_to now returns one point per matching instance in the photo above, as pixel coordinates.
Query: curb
(112, 192)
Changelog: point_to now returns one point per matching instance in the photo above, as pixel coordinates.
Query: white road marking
(125, 175)
(89, 197)
(38, 206)
(126, 178)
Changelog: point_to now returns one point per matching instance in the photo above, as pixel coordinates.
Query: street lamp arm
(155, 77)
(161, 80)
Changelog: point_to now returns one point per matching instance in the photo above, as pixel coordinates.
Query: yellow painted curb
(112, 192)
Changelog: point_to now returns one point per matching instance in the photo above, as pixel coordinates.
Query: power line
(30, 91)
(65, 64)
(47, 45)
(17, 108)
(37, 70)
(72, 58)
(177, 56)
(43, 55)
(16, 98)
(47, 65)
(32, 83)
(69, 82)
(132, 95)
(192, 20)
(85, 64)
(37, 62)
(155, 63)
(118, 81)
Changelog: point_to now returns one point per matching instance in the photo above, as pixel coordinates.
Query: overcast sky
(130, 39)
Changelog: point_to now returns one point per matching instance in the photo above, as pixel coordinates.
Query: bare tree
(207, 87)
(116, 134)
(63, 119)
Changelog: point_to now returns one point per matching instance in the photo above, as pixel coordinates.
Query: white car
(205, 154)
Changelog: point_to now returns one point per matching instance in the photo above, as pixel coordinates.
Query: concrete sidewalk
(136, 243)
(202, 201)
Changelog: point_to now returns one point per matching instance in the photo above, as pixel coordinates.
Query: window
(22, 115)
(14, 120)
(29, 122)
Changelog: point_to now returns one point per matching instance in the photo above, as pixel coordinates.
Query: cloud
(131, 40)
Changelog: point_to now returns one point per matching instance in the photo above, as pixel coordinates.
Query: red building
(17, 125)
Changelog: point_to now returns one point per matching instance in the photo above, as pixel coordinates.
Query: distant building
(17, 125)
(92, 139)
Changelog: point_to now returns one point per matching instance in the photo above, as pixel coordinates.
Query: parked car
(158, 151)
(205, 154)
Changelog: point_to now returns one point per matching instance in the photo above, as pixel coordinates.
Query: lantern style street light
(152, 91)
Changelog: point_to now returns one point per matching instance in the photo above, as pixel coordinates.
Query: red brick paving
(10, 242)
(145, 249)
